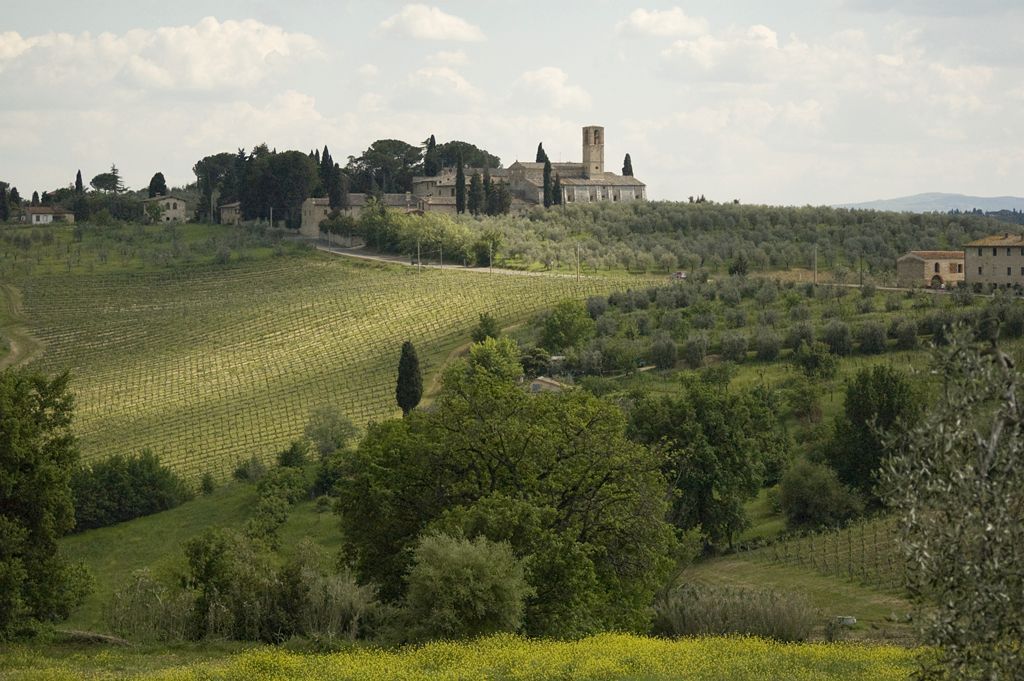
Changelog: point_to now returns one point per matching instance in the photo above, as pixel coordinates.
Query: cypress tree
(542, 156)
(337, 188)
(157, 185)
(35, 199)
(460, 187)
(79, 187)
(627, 167)
(476, 200)
(488, 185)
(5, 209)
(15, 197)
(430, 164)
(547, 184)
(556, 191)
(410, 381)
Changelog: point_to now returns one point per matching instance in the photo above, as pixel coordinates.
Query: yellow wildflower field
(606, 657)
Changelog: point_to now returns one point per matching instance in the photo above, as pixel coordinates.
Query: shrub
(802, 396)
(663, 352)
(124, 487)
(892, 303)
(285, 482)
(866, 305)
(694, 350)
(812, 496)
(147, 610)
(207, 483)
(768, 317)
(906, 335)
(486, 328)
(329, 430)
(736, 318)
(800, 313)
(867, 291)
(460, 588)
(734, 347)
(799, 334)
(250, 470)
(295, 456)
(596, 306)
(703, 320)
(815, 360)
(836, 335)
(767, 344)
(871, 338)
(701, 610)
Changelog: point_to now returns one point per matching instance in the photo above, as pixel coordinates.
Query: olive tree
(958, 486)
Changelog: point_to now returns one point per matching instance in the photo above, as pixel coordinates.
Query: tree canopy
(551, 474)
(37, 455)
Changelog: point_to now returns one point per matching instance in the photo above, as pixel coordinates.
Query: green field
(605, 657)
(212, 364)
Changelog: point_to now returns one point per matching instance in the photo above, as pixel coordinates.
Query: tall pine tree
(79, 187)
(542, 156)
(556, 191)
(460, 187)
(410, 381)
(627, 166)
(547, 184)
(15, 197)
(476, 201)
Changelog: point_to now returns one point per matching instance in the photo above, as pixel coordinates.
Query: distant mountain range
(942, 203)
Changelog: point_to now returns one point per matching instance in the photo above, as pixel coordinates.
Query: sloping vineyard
(210, 366)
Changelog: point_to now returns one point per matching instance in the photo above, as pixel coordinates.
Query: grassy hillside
(605, 657)
(208, 364)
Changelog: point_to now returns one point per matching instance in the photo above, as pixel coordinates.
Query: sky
(794, 103)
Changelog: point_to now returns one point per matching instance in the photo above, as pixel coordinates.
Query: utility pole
(271, 217)
(419, 263)
(815, 264)
(577, 261)
(490, 257)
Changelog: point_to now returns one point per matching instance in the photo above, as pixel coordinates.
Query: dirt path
(22, 346)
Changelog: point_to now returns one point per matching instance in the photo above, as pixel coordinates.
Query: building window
(1022, 271)
(1007, 251)
(959, 269)
(936, 268)
(979, 270)
(979, 251)
(1008, 272)
(993, 251)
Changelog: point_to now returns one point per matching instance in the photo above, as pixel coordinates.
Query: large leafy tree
(388, 165)
(472, 156)
(409, 389)
(716, 446)
(879, 400)
(109, 181)
(551, 474)
(37, 455)
(567, 325)
(210, 172)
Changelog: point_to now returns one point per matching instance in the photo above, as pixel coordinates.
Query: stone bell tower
(593, 151)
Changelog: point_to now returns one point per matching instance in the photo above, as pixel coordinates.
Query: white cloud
(449, 58)
(368, 71)
(663, 23)
(209, 56)
(430, 23)
(443, 83)
(552, 85)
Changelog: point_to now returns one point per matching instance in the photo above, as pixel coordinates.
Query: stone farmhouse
(997, 260)
(315, 210)
(930, 268)
(173, 208)
(46, 215)
(231, 213)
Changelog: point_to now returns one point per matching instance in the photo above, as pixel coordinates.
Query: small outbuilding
(937, 269)
(231, 213)
(171, 208)
(46, 215)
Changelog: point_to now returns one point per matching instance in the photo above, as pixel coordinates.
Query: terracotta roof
(1005, 239)
(162, 197)
(934, 255)
(609, 179)
(46, 210)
